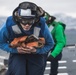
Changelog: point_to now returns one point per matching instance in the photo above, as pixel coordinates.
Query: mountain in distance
(68, 20)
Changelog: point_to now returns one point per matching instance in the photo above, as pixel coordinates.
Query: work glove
(50, 58)
(24, 41)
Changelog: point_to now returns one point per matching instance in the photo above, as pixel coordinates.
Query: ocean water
(71, 36)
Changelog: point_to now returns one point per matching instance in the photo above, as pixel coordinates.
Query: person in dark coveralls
(26, 20)
(59, 37)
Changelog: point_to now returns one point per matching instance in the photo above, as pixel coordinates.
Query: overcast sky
(51, 6)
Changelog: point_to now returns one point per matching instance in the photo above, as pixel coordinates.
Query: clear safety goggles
(25, 21)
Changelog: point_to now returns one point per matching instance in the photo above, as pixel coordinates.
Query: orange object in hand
(28, 41)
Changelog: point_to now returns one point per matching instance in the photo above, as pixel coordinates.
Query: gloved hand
(50, 58)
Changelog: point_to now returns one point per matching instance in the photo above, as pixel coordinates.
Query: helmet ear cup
(15, 14)
(40, 12)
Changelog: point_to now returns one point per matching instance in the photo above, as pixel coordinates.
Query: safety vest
(15, 30)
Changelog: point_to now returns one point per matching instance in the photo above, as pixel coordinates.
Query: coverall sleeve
(4, 44)
(59, 41)
(49, 42)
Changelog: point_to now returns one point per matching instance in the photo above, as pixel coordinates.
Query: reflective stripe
(36, 31)
(16, 29)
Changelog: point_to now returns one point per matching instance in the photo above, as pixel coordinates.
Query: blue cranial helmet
(26, 12)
